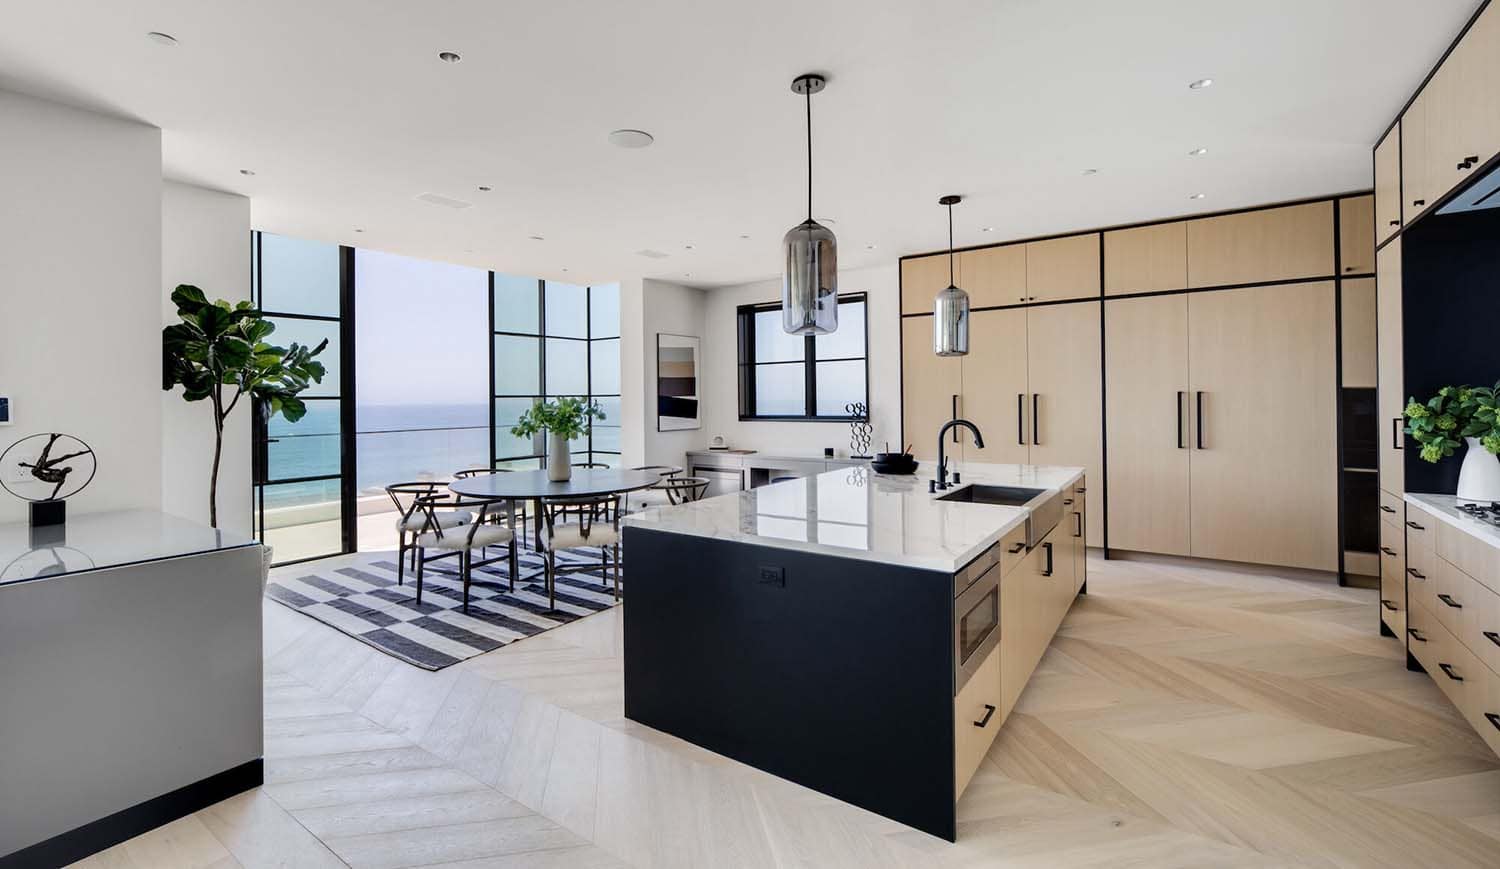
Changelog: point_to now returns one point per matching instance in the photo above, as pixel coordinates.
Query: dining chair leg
(617, 571)
(551, 579)
(465, 564)
(417, 557)
(515, 563)
(401, 558)
(604, 573)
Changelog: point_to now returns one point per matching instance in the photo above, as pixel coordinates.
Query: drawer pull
(989, 711)
(1419, 202)
(1411, 524)
(1448, 669)
(1067, 501)
(1492, 637)
(1450, 601)
(1388, 604)
(1047, 571)
(1385, 509)
(1397, 222)
(1017, 548)
(1416, 635)
(1389, 551)
(1416, 574)
(1493, 719)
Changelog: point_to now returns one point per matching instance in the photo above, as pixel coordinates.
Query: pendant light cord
(950, 246)
(808, 94)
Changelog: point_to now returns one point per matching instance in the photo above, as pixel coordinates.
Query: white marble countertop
(1445, 508)
(94, 541)
(856, 513)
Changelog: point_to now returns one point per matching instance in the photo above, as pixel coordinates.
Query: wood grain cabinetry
(1033, 600)
(1390, 399)
(1062, 268)
(1414, 192)
(1356, 242)
(1360, 325)
(921, 280)
(1271, 244)
(1145, 259)
(993, 275)
(976, 718)
(1388, 184)
(1062, 352)
(994, 390)
(930, 386)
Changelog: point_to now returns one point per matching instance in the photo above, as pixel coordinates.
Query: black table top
(534, 484)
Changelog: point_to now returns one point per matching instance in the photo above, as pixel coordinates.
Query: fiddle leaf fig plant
(1456, 412)
(568, 417)
(219, 352)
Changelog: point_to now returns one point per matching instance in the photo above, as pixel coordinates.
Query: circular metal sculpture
(859, 430)
(47, 467)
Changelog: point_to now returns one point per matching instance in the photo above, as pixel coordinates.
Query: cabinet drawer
(1471, 554)
(1458, 673)
(1421, 529)
(976, 720)
(1454, 595)
(1393, 604)
(1012, 548)
(1421, 580)
(1485, 709)
(1422, 636)
(1482, 626)
(1392, 508)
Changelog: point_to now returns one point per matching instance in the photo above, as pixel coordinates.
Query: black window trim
(745, 336)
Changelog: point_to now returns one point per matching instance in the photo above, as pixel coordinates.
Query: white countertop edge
(1445, 508)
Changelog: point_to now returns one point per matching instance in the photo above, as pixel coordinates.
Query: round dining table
(516, 486)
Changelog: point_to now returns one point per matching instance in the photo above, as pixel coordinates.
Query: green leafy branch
(568, 417)
(1454, 413)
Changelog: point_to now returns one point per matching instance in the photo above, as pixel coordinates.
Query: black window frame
(747, 365)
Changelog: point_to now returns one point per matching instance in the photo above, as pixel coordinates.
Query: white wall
(80, 270)
(648, 307)
(720, 360)
(205, 242)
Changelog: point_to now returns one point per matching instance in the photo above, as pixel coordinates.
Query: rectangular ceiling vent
(648, 253)
(445, 201)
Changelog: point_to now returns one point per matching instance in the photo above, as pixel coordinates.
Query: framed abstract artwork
(677, 406)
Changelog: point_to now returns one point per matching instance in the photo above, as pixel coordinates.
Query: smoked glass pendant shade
(950, 322)
(810, 284)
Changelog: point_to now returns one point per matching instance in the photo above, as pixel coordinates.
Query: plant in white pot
(563, 420)
(1470, 413)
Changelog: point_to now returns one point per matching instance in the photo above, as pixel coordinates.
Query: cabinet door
(976, 720)
(1270, 244)
(1146, 366)
(1414, 193)
(930, 385)
(1463, 127)
(1360, 329)
(1063, 268)
(1263, 474)
(1145, 258)
(1062, 349)
(1357, 235)
(921, 279)
(1391, 400)
(994, 275)
(994, 394)
(1482, 80)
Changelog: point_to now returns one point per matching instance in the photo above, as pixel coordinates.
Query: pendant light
(810, 284)
(950, 310)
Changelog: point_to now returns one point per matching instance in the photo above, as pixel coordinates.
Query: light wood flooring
(1186, 715)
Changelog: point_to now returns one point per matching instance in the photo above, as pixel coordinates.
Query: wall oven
(976, 619)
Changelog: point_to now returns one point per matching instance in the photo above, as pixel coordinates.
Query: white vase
(1479, 478)
(559, 462)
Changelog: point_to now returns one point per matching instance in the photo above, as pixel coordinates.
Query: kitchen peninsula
(860, 634)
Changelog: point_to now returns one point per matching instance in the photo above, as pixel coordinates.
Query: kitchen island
(859, 634)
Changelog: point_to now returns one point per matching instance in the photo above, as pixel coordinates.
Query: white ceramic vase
(1479, 477)
(559, 462)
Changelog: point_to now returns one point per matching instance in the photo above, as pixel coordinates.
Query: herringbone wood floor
(1186, 715)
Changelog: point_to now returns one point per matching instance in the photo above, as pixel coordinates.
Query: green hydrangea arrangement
(1455, 413)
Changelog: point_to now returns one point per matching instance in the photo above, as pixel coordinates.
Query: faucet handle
(955, 478)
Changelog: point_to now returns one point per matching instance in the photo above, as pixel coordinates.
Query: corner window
(795, 377)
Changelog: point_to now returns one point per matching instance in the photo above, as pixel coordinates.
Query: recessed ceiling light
(161, 38)
(987, 229)
(247, 171)
(358, 229)
(1197, 152)
(484, 189)
(536, 238)
(449, 56)
(1201, 83)
(687, 247)
(869, 247)
(687, 274)
(564, 269)
(631, 138)
(1091, 171)
(1198, 196)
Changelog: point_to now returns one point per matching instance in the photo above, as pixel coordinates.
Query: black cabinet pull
(1180, 444)
(1388, 605)
(1448, 669)
(1199, 402)
(1389, 551)
(1411, 524)
(1396, 443)
(1493, 719)
(1017, 548)
(1419, 202)
(1395, 223)
(1021, 418)
(1078, 524)
(1385, 509)
(1416, 574)
(1036, 441)
(1047, 571)
(1450, 602)
(1416, 635)
(988, 712)
(955, 416)
(1067, 502)
(1492, 637)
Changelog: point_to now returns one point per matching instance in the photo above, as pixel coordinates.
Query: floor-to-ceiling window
(300, 468)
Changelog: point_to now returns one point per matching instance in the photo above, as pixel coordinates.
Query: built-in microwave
(976, 624)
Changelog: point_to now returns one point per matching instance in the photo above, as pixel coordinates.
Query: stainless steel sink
(1009, 496)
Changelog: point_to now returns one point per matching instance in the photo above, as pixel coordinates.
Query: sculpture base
(48, 513)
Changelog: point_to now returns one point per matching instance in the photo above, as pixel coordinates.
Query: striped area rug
(358, 595)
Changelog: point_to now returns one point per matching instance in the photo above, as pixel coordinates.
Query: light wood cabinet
(1033, 600)
(1062, 268)
(1393, 602)
(1271, 244)
(1062, 352)
(1390, 400)
(976, 720)
(921, 280)
(1415, 195)
(994, 394)
(930, 386)
(1145, 259)
(1146, 371)
(1463, 111)
(1360, 328)
(1357, 235)
(1263, 481)
(993, 275)
(1388, 184)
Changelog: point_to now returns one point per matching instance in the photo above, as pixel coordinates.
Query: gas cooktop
(1485, 513)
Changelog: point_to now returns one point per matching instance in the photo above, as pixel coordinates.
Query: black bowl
(894, 463)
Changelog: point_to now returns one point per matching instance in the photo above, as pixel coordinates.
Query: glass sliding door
(604, 372)
(303, 471)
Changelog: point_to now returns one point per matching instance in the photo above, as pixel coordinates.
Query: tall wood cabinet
(1391, 400)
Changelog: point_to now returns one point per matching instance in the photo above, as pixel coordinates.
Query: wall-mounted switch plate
(773, 576)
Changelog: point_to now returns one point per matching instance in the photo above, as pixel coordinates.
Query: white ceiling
(345, 114)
